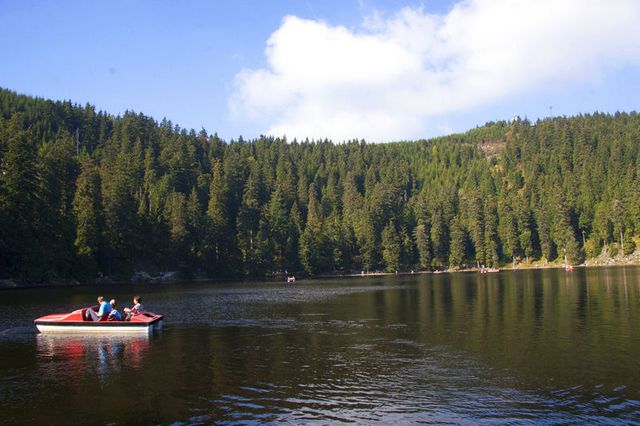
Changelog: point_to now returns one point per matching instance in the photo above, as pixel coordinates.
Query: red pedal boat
(75, 322)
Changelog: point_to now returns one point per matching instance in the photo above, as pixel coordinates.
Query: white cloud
(390, 78)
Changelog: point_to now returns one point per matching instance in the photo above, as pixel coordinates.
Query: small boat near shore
(76, 322)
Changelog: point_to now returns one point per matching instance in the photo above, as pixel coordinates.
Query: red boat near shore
(76, 322)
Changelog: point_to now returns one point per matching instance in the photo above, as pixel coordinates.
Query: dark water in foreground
(515, 347)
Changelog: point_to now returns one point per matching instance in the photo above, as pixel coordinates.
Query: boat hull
(84, 328)
(74, 323)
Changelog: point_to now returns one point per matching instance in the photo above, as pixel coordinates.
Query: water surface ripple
(525, 347)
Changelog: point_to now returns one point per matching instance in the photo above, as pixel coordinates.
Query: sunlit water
(536, 347)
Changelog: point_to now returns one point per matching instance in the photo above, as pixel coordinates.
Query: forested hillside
(83, 192)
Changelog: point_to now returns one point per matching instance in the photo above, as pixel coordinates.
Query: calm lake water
(543, 347)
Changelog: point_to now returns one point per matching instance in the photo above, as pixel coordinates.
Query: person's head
(113, 303)
(137, 299)
(100, 299)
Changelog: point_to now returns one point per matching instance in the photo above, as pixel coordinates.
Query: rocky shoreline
(139, 277)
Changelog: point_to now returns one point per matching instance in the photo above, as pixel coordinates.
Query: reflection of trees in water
(352, 347)
(544, 326)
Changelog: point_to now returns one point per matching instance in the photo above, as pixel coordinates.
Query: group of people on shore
(109, 310)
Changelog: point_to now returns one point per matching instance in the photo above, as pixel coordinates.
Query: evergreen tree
(248, 221)
(59, 171)
(195, 223)
(408, 251)
(176, 218)
(391, 249)
(508, 231)
(119, 189)
(314, 255)
(19, 202)
(86, 210)
(217, 237)
(423, 244)
(278, 229)
(457, 244)
(292, 259)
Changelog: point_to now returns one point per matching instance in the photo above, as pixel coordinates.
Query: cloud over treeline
(393, 76)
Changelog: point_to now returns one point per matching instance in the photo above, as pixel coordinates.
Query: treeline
(83, 192)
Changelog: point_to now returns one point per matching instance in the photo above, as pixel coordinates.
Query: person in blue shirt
(114, 315)
(103, 310)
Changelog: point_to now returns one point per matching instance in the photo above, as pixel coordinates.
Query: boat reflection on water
(75, 356)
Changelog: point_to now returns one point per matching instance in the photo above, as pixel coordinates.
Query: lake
(535, 346)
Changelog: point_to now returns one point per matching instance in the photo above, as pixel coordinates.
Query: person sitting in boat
(103, 310)
(114, 315)
(137, 308)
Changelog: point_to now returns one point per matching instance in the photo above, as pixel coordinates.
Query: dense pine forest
(83, 193)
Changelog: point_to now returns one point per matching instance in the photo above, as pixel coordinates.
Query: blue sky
(376, 69)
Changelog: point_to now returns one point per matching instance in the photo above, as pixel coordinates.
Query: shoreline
(504, 268)
(602, 261)
(629, 260)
